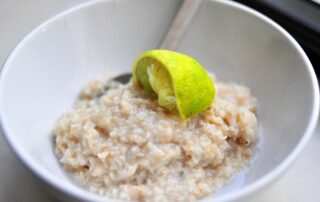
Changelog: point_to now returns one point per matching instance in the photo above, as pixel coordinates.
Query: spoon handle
(179, 24)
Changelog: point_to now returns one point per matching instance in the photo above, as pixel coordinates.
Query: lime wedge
(180, 81)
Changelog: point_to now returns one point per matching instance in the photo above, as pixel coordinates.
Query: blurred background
(300, 17)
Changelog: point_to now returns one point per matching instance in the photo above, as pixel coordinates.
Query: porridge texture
(121, 144)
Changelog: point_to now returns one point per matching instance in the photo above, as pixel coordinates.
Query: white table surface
(17, 18)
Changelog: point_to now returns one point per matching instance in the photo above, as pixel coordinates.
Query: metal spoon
(175, 32)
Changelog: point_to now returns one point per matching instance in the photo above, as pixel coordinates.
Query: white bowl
(44, 73)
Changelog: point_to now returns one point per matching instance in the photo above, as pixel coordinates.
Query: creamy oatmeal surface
(120, 143)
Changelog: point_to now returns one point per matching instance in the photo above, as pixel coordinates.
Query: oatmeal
(121, 144)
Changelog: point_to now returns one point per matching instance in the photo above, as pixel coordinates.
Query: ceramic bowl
(44, 73)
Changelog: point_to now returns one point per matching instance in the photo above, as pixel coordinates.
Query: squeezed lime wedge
(180, 82)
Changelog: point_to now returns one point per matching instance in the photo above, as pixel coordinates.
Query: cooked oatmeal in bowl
(121, 144)
(42, 77)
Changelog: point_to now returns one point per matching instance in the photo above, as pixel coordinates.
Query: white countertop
(18, 17)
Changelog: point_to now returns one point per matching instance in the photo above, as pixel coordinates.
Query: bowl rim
(79, 193)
